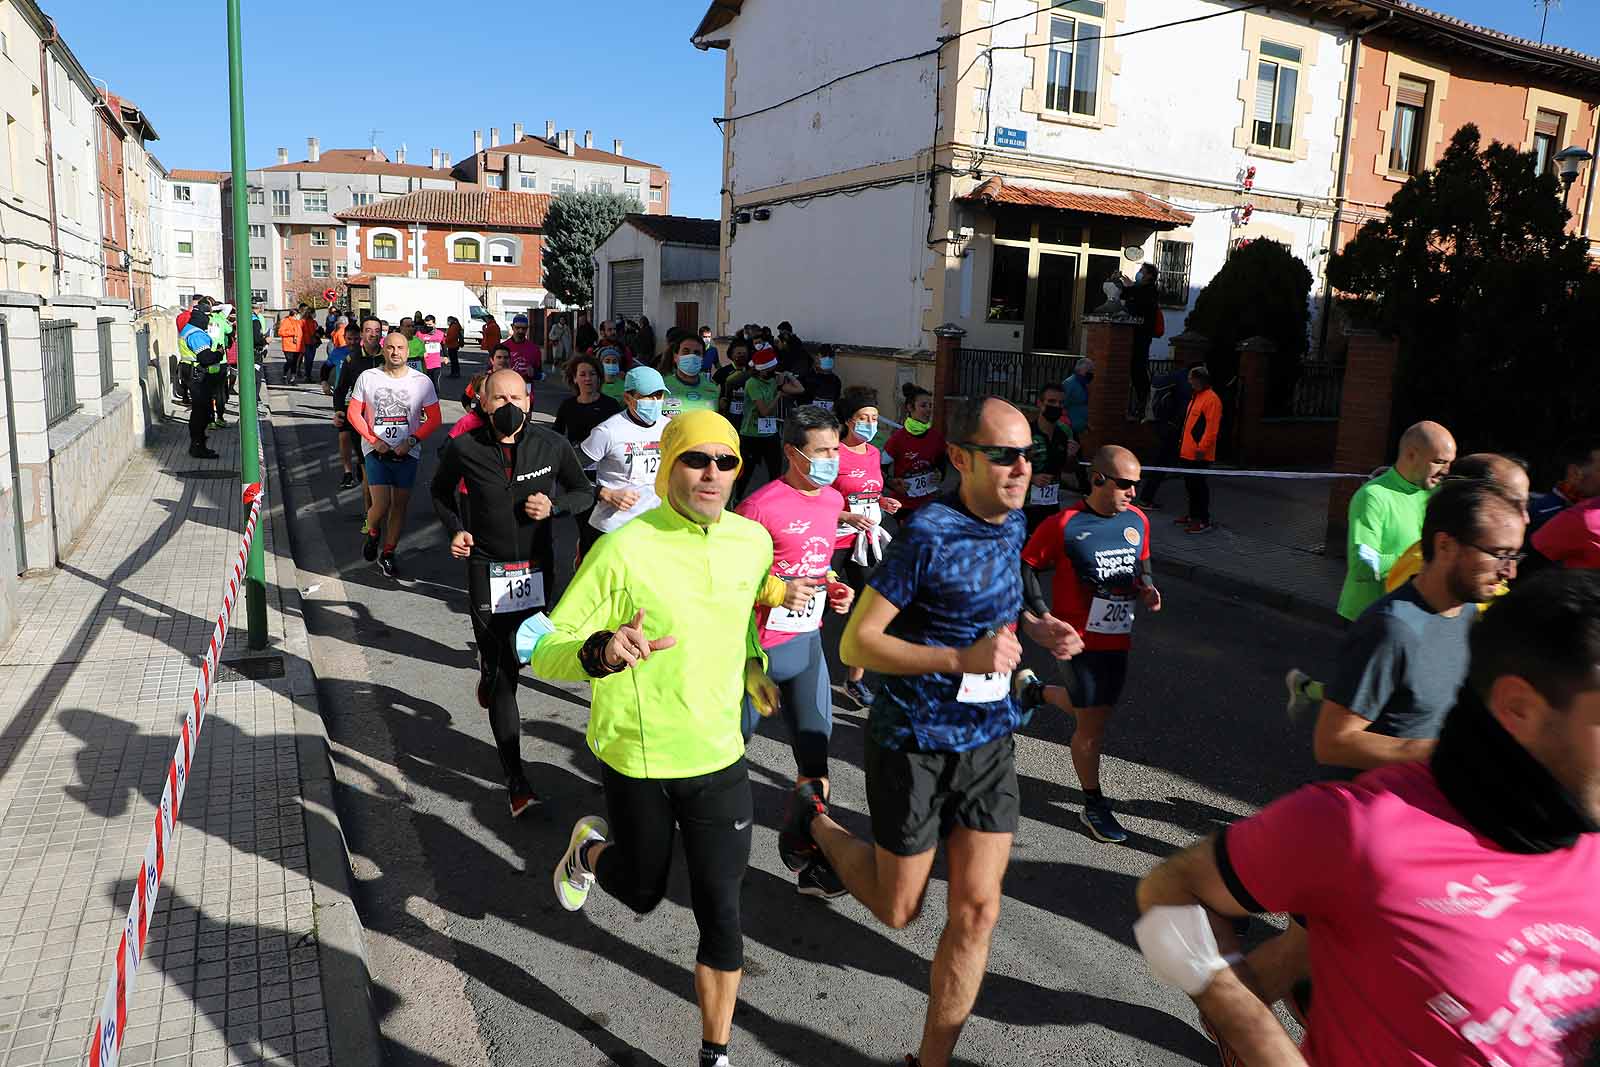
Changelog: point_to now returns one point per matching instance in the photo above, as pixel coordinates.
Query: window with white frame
(1546, 139)
(655, 196)
(528, 181)
(1409, 127)
(503, 250)
(466, 250)
(314, 201)
(182, 194)
(361, 199)
(341, 270)
(385, 246)
(1277, 86)
(1074, 71)
(185, 299)
(258, 197)
(288, 268)
(319, 239)
(288, 240)
(258, 262)
(258, 229)
(258, 296)
(559, 187)
(599, 187)
(631, 189)
(495, 181)
(280, 201)
(319, 268)
(341, 237)
(185, 240)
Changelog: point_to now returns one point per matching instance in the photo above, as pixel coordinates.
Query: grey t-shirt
(1402, 664)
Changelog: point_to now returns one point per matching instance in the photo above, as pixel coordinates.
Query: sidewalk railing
(60, 394)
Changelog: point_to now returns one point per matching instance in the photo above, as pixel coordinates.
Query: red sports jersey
(1098, 560)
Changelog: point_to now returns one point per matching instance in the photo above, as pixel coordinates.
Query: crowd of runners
(1440, 881)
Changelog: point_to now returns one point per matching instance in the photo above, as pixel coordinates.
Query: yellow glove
(762, 690)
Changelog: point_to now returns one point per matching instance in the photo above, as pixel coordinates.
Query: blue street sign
(1005, 137)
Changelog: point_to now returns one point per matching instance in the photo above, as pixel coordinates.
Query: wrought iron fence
(1157, 368)
(108, 370)
(1013, 376)
(1317, 394)
(60, 392)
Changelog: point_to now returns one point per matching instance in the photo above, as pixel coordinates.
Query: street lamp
(1568, 162)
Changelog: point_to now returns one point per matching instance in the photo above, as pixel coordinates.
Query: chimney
(435, 159)
(283, 156)
(313, 149)
(477, 141)
(516, 132)
(400, 156)
(588, 138)
(571, 148)
(447, 161)
(616, 146)
(549, 129)
(494, 136)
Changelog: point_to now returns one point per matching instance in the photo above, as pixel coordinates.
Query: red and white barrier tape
(106, 1042)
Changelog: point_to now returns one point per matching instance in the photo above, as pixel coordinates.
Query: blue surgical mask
(612, 369)
(866, 430)
(825, 362)
(822, 470)
(690, 364)
(649, 411)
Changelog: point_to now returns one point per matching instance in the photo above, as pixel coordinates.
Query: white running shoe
(572, 879)
(1299, 702)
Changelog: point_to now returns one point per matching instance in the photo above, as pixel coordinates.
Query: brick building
(109, 134)
(490, 240)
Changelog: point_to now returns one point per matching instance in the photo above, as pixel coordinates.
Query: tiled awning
(1131, 205)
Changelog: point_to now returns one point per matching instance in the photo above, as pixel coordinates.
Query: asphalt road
(474, 962)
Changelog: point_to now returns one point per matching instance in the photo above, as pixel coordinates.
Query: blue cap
(644, 381)
(520, 320)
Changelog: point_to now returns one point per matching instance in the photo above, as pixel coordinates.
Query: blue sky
(428, 74)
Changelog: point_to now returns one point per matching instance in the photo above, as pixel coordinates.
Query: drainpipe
(1347, 135)
(49, 144)
(1594, 179)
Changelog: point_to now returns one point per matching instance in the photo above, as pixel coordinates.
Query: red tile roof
(183, 174)
(538, 146)
(1133, 205)
(494, 209)
(361, 161)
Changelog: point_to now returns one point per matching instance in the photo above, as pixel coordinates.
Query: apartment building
(557, 163)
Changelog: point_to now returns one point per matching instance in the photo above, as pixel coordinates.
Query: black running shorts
(917, 798)
(1094, 679)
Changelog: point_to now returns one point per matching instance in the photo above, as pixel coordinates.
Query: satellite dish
(1133, 253)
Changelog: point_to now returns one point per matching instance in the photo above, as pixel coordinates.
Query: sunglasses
(699, 461)
(999, 455)
(1122, 483)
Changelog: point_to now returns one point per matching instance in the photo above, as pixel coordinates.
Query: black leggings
(768, 450)
(714, 811)
(498, 665)
(291, 364)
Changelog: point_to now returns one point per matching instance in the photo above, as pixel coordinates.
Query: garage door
(627, 289)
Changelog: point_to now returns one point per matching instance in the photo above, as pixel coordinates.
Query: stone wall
(87, 454)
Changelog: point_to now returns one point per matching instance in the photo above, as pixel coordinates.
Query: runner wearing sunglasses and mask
(1099, 549)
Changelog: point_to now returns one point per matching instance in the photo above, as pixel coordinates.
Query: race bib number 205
(1111, 615)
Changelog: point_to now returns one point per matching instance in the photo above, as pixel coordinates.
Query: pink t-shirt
(803, 529)
(860, 482)
(526, 357)
(432, 348)
(1430, 945)
(1572, 536)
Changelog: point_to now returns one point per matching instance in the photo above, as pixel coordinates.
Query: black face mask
(508, 419)
(1050, 412)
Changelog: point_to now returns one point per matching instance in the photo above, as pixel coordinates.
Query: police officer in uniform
(203, 376)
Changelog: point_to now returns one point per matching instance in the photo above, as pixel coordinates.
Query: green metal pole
(255, 585)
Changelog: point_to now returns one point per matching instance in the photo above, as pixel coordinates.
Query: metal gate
(60, 391)
(11, 435)
(627, 289)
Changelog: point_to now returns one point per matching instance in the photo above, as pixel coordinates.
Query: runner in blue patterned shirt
(937, 621)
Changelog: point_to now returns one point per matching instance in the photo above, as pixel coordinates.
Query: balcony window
(1277, 83)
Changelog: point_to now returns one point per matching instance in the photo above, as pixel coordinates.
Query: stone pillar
(24, 356)
(1190, 349)
(85, 316)
(1255, 360)
(1365, 408)
(1108, 340)
(947, 350)
(125, 369)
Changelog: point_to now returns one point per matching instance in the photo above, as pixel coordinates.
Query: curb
(1245, 588)
(352, 1019)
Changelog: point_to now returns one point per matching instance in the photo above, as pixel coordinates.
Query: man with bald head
(1099, 549)
(519, 476)
(936, 622)
(1386, 514)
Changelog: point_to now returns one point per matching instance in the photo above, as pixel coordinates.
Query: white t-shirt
(626, 456)
(394, 405)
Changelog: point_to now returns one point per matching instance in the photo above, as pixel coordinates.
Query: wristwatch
(413, 441)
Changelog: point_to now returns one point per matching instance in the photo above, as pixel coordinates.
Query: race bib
(865, 505)
(1045, 495)
(922, 484)
(393, 429)
(1110, 615)
(983, 688)
(672, 407)
(515, 587)
(767, 426)
(781, 620)
(431, 348)
(736, 407)
(643, 464)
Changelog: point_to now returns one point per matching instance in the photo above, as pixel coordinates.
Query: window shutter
(1548, 124)
(1266, 83)
(1412, 93)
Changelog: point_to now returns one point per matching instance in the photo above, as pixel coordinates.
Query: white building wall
(26, 263)
(165, 292)
(201, 216)
(72, 123)
(628, 243)
(841, 268)
(780, 50)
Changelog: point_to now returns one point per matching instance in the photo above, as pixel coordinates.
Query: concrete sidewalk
(254, 952)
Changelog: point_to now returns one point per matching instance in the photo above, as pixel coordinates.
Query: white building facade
(1060, 151)
(72, 99)
(190, 233)
(27, 263)
(662, 266)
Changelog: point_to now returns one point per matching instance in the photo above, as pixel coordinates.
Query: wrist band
(592, 656)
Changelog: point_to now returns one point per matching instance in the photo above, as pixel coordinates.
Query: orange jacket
(1201, 424)
(290, 333)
